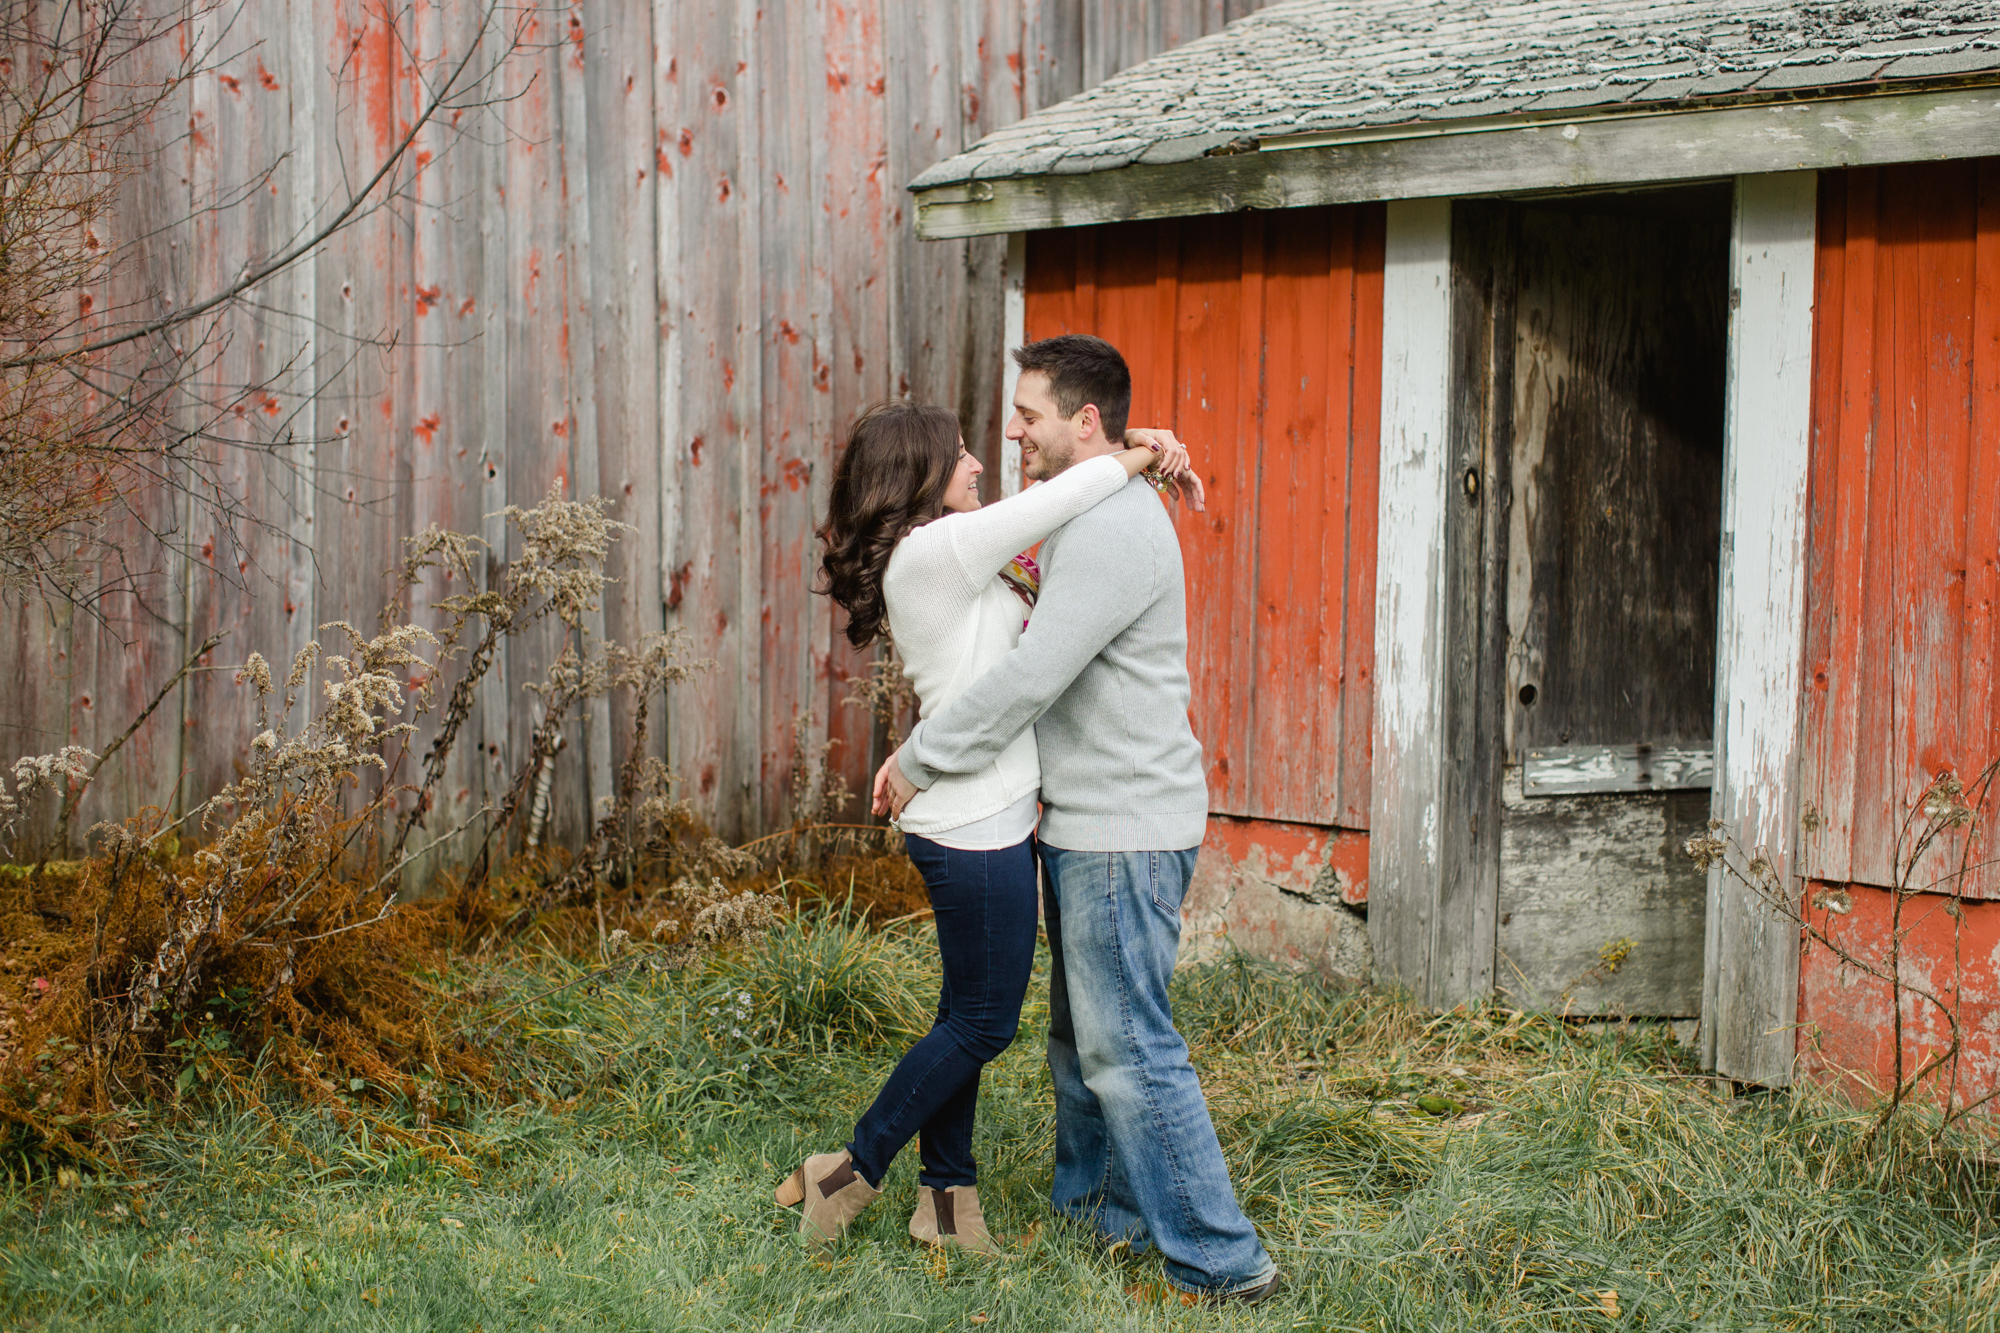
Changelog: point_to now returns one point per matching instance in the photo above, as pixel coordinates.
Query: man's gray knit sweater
(1101, 675)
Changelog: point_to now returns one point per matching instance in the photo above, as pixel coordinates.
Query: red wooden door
(1905, 567)
(1257, 337)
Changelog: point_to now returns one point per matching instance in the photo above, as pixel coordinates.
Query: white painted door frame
(1750, 977)
(1405, 814)
(1014, 332)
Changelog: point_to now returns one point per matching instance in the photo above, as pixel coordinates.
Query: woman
(908, 550)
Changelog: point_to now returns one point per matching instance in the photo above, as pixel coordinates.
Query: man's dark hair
(1083, 369)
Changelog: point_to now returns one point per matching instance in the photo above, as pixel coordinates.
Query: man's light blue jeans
(1136, 1154)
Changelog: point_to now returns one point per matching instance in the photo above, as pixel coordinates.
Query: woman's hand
(893, 791)
(1158, 451)
(1163, 453)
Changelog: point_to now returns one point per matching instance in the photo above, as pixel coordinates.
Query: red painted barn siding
(1905, 564)
(1846, 1024)
(1257, 337)
(1902, 583)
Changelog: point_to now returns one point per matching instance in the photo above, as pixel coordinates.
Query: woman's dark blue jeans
(985, 905)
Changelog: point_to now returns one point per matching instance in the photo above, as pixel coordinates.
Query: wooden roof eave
(1503, 156)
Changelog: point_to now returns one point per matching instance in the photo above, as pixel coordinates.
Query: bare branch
(297, 252)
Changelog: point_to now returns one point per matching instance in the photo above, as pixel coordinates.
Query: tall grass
(1572, 1178)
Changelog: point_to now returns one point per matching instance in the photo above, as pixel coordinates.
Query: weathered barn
(662, 255)
(1602, 410)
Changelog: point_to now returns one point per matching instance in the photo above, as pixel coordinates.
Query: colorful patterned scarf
(1024, 576)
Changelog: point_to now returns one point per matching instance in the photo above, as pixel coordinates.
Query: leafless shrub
(288, 904)
(117, 402)
(1946, 813)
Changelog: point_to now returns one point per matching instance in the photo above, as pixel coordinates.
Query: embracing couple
(1055, 697)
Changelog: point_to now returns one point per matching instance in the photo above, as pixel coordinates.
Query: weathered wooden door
(1592, 371)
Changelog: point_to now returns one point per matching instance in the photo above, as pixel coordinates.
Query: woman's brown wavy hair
(890, 478)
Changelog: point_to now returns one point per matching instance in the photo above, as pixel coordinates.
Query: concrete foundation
(1293, 894)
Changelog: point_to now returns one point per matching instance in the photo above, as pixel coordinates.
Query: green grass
(634, 1190)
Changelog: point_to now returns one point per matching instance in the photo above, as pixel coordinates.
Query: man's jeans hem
(1139, 1245)
(1229, 1288)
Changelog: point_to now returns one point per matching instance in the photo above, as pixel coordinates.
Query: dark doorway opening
(1591, 336)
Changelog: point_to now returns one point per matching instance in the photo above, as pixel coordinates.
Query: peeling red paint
(787, 332)
(377, 66)
(426, 429)
(694, 451)
(427, 297)
(230, 82)
(677, 581)
(1846, 1018)
(798, 473)
(266, 78)
(465, 307)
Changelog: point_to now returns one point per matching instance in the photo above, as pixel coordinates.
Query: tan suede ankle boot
(952, 1217)
(833, 1193)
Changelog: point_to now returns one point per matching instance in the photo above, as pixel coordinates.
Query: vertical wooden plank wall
(1901, 682)
(666, 262)
(1281, 569)
(1903, 580)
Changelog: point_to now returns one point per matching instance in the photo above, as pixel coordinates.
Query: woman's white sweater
(952, 618)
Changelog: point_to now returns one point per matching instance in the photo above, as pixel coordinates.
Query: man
(1101, 674)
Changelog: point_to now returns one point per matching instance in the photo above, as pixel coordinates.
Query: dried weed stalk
(1945, 816)
(279, 936)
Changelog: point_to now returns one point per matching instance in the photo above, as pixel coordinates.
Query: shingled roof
(1329, 66)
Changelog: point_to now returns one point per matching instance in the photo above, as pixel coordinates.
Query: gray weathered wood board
(1617, 376)
(1617, 470)
(1580, 877)
(1558, 528)
(673, 223)
(1575, 770)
